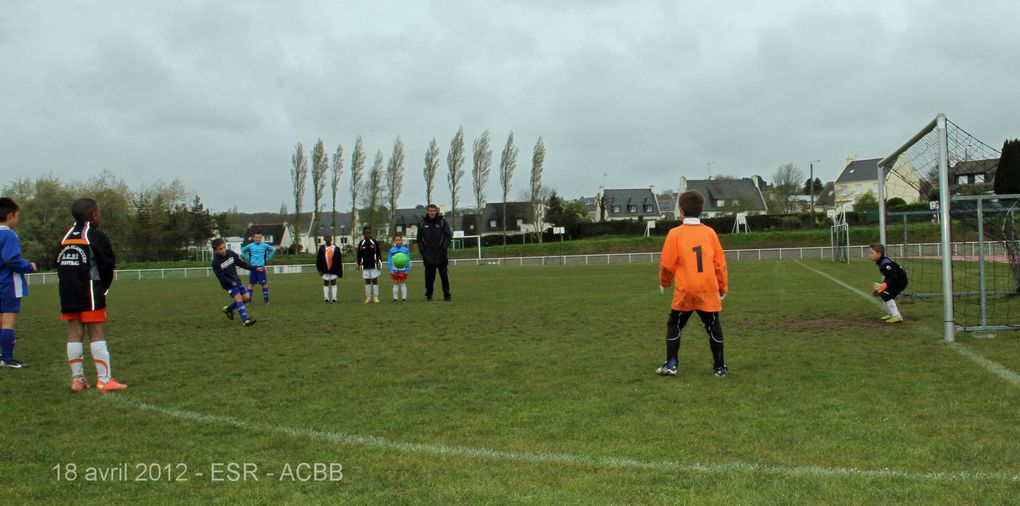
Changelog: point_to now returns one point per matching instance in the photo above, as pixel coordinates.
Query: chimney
(652, 187)
(683, 184)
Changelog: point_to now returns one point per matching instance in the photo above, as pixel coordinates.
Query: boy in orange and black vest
(694, 263)
(85, 267)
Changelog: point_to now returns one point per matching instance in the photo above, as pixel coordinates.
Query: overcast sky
(218, 93)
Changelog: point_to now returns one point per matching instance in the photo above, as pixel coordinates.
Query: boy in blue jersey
(13, 285)
(225, 265)
(258, 254)
(399, 276)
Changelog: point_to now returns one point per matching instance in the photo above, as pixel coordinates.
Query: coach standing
(434, 237)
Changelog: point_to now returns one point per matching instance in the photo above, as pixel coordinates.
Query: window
(720, 203)
(492, 224)
(520, 222)
(979, 178)
(648, 208)
(616, 209)
(400, 229)
(631, 208)
(857, 188)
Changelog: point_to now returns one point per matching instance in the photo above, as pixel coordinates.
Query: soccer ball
(400, 260)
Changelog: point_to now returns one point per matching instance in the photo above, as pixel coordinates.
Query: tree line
(375, 196)
(157, 222)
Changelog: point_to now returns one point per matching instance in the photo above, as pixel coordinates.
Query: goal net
(957, 240)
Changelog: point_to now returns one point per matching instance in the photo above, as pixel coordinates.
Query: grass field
(534, 385)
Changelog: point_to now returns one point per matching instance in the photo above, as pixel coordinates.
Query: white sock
(893, 310)
(334, 291)
(325, 292)
(101, 357)
(368, 291)
(396, 291)
(75, 351)
(375, 290)
(403, 290)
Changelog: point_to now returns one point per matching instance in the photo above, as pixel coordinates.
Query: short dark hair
(691, 203)
(83, 208)
(257, 232)
(398, 234)
(432, 206)
(217, 242)
(878, 247)
(8, 207)
(366, 228)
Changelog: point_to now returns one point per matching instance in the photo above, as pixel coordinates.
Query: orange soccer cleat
(110, 386)
(79, 385)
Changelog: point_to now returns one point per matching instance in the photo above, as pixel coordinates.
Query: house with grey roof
(518, 219)
(627, 204)
(859, 177)
(726, 196)
(971, 172)
(278, 235)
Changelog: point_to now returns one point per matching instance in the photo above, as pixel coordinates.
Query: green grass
(553, 360)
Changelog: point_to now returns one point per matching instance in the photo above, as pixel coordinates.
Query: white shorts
(370, 273)
(329, 277)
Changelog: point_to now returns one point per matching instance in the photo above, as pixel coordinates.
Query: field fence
(737, 255)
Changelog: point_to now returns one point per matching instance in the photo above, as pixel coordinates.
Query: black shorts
(890, 294)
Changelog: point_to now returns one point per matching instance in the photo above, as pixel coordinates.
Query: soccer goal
(954, 237)
(461, 241)
(840, 238)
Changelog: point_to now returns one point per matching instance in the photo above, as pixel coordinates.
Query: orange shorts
(398, 276)
(97, 316)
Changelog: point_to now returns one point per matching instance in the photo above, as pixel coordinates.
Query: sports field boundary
(563, 459)
(737, 255)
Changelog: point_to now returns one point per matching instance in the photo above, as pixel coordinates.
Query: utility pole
(811, 186)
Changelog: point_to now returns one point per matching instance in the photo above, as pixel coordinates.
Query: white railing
(737, 255)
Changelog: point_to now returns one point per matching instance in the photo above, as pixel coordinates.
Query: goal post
(958, 236)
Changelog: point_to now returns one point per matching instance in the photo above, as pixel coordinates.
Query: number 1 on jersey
(697, 252)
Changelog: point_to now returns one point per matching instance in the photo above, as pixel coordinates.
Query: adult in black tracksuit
(434, 238)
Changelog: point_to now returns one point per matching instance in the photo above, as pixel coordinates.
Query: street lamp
(811, 185)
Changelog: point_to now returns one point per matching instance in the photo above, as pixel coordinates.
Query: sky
(623, 93)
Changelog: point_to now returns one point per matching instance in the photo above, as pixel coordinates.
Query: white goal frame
(885, 167)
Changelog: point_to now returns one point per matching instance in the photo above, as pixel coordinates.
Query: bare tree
(395, 178)
(334, 182)
(374, 189)
(455, 162)
(299, 176)
(320, 168)
(507, 165)
(787, 180)
(357, 171)
(537, 162)
(431, 168)
(481, 167)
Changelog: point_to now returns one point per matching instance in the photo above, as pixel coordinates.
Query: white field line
(990, 366)
(341, 438)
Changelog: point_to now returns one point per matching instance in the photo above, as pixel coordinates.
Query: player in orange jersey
(694, 263)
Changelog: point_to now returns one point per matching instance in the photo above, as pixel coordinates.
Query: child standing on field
(399, 274)
(894, 281)
(329, 261)
(13, 285)
(694, 263)
(85, 267)
(369, 260)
